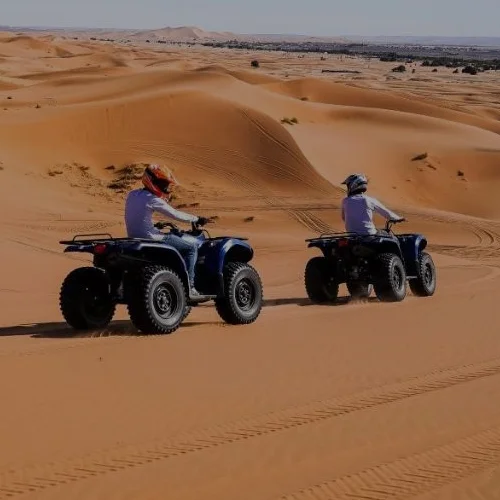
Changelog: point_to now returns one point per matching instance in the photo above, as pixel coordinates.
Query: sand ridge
(360, 399)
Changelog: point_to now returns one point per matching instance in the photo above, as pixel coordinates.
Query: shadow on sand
(62, 330)
(304, 302)
(124, 328)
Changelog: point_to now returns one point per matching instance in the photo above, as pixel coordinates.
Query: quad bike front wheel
(424, 285)
(390, 278)
(321, 286)
(85, 299)
(157, 302)
(242, 300)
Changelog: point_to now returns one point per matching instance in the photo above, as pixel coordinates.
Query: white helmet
(356, 183)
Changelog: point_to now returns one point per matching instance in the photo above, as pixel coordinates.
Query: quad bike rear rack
(332, 235)
(77, 241)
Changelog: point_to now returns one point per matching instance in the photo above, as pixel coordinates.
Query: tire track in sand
(309, 220)
(42, 477)
(486, 234)
(413, 475)
(201, 162)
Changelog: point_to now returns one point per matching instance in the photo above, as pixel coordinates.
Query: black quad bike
(383, 262)
(151, 278)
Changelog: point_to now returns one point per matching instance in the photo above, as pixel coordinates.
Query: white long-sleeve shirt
(357, 213)
(139, 209)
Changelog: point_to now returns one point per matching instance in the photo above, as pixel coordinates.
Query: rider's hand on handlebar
(202, 221)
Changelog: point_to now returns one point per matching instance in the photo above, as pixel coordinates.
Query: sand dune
(359, 400)
(330, 93)
(29, 46)
(6, 85)
(182, 33)
(253, 149)
(266, 153)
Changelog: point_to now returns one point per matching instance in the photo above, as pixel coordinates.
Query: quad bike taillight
(100, 248)
(343, 242)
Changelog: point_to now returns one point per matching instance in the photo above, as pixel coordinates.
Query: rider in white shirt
(358, 208)
(142, 203)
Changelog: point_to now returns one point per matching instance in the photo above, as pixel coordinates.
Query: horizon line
(76, 28)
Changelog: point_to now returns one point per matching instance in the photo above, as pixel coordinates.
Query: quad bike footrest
(201, 298)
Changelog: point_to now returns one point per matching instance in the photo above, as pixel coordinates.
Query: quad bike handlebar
(163, 225)
(391, 222)
(195, 226)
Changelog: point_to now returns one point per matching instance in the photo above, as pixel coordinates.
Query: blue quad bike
(150, 277)
(384, 262)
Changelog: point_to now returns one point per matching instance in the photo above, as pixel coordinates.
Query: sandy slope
(359, 400)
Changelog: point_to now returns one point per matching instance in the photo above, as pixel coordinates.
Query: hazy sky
(317, 17)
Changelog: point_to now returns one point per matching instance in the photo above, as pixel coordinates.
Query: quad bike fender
(225, 251)
(324, 245)
(386, 245)
(164, 255)
(411, 247)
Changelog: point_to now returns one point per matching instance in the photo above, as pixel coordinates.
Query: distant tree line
(477, 61)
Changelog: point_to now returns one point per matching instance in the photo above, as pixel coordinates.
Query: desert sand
(359, 400)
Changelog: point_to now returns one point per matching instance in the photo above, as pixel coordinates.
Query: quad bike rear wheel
(390, 278)
(424, 285)
(242, 300)
(157, 302)
(85, 299)
(321, 286)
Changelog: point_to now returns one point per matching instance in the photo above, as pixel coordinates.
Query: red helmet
(158, 180)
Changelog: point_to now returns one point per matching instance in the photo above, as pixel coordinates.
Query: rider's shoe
(194, 294)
